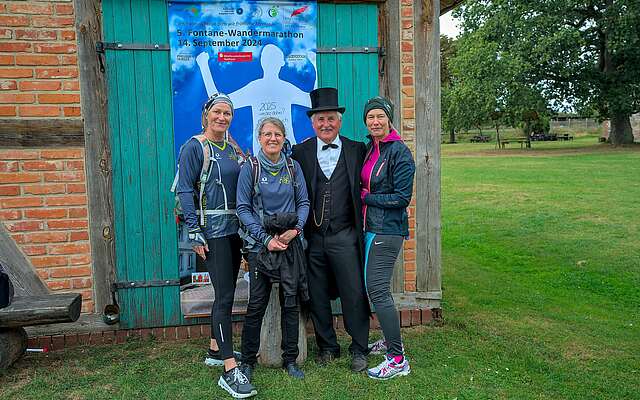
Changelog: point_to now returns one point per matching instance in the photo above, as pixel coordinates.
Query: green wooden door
(140, 124)
(142, 140)
(354, 74)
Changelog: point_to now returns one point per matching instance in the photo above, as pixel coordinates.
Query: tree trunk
(452, 136)
(620, 131)
(13, 344)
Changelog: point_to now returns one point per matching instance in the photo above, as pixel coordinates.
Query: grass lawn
(541, 285)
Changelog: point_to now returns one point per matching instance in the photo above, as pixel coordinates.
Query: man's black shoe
(358, 362)
(247, 370)
(294, 371)
(326, 357)
(238, 386)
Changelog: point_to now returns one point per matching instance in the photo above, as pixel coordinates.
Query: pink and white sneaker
(389, 369)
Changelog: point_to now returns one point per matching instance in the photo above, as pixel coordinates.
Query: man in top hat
(331, 165)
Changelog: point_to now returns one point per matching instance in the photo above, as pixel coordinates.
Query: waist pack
(6, 289)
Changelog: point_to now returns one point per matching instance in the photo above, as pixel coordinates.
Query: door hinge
(145, 284)
(351, 50)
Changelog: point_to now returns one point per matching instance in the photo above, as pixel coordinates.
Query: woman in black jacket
(387, 185)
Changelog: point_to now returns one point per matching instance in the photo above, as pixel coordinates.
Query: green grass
(541, 286)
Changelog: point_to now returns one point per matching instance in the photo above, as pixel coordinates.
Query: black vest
(333, 206)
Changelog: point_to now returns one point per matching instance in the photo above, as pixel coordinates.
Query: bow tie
(330, 145)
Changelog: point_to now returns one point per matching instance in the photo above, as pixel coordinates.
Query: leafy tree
(581, 53)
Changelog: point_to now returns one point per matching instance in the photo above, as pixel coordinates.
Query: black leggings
(223, 264)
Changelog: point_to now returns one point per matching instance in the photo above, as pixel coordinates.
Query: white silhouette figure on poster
(268, 96)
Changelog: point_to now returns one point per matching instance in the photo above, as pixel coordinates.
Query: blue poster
(260, 53)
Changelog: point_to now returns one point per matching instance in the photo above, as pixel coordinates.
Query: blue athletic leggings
(381, 252)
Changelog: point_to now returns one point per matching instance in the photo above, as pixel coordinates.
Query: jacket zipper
(380, 168)
(364, 222)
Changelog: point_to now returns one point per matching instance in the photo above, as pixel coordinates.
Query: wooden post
(13, 344)
(22, 274)
(427, 78)
(271, 334)
(97, 148)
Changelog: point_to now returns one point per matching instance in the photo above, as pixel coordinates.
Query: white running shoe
(378, 347)
(389, 369)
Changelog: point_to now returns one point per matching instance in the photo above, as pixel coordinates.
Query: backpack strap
(205, 171)
(255, 174)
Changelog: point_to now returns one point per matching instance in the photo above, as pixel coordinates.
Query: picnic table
(480, 139)
(522, 143)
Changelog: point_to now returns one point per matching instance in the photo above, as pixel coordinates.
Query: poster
(260, 53)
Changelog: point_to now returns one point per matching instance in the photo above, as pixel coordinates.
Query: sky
(448, 25)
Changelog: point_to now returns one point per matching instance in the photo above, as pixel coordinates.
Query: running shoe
(214, 359)
(389, 369)
(236, 384)
(378, 347)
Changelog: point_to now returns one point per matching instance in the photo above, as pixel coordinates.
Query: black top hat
(324, 99)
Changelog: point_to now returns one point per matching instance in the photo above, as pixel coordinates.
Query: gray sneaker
(213, 358)
(236, 384)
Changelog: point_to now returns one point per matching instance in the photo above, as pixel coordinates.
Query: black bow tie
(330, 145)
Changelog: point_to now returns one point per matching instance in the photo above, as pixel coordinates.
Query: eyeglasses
(269, 135)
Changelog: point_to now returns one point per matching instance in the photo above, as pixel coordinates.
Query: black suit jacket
(354, 153)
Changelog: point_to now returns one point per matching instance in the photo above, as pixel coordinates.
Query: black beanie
(381, 103)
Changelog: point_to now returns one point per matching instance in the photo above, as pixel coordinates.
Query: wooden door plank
(327, 63)
(344, 36)
(165, 162)
(361, 71)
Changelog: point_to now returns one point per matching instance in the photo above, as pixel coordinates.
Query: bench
(522, 143)
(480, 139)
(565, 136)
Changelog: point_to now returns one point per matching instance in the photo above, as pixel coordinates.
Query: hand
(363, 193)
(199, 244)
(201, 251)
(276, 245)
(288, 236)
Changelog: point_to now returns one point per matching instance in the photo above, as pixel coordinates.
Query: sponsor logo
(263, 179)
(235, 56)
(218, 156)
(200, 278)
(299, 11)
(227, 10)
(239, 11)
(285, 180)
(377, 243)
(273, 12)
(257, 13)
(193, 10)
(296, 57)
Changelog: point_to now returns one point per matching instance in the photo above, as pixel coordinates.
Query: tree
(579, 53)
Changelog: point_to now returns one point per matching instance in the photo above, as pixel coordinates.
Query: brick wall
(407, 108)
(43, 201)
(38, 61)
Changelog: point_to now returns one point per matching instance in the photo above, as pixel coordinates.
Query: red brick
(71, 85)
(68, 35)
(39, 111)
(19, 177)
(13, 154)
(405, 318)
(43, 273)
(26, 86)
(18, 238)
(46, 213)
(80, 235)
(16, 98)
(56, 73)
(57, 342)
(86, 294)
(26, 34)
(79, 259)
(71, 111)
(109, 337)
(84, 339)
(33, 59)
(409, 266)
(30, 8)
(21, 202)
(407, 24)
(59, 285)
(70, 340)
(42, 166)
(76, 165)
(56, 48)
(15, 72)
(9, 166)
(182, 332)
(71, 248)
(33, 343)
(170, 333)
(69, 272)
(68, 60)
(14, 20)
(146, 333)
(194, 331)
(77, 212)
(49, 261)
(8, 111)
(416, 318)
(409, 286)
(62, 153)
(206, 331)
(64, 9)
(68, 200)
(121, 336)
(44, 189)
(6, 33)
(409, 255)
(8, 85)
(9, 190)
(34, 250)
(427, 316)
(7, 59)
(24, 226)
(96, 338)
(76, 188)
(10, 214)
(47, 237)
(52, 22)
(58, 98)
(14, 47)
(406, 11)
(65, 176)
(67, 224)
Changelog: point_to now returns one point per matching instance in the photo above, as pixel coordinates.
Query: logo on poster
(239, 11)
(273, 11)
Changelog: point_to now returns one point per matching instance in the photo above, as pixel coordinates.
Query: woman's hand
(199, 244)
(201, 251)
(276, 245)
(288, 236)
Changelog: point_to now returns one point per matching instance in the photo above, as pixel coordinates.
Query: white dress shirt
(328, 159)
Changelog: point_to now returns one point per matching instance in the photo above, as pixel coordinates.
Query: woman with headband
(209, 213)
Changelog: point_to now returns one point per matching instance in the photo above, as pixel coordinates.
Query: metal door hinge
(145, 284)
